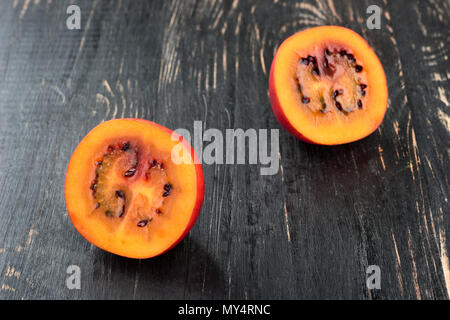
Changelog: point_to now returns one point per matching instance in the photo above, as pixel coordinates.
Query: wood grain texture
(308, 232)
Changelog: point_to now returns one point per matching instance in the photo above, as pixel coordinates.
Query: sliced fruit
(124, 193)
(327, 86)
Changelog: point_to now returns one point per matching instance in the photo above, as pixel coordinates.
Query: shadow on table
(186, 272)
(339, 171)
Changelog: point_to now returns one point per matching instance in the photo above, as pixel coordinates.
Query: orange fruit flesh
(126, 195)
(330, 85)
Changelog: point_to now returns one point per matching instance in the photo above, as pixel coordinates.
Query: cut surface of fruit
(327, 86)
(126, 195)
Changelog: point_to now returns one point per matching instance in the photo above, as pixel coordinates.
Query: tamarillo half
(126, 194)
(327, 86)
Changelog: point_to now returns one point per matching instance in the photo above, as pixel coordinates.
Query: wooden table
(309, 231)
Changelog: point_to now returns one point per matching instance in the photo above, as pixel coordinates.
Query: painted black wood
(308, 232)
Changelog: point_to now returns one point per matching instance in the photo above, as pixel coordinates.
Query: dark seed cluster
(360, 104)
(155, 163)
(351, 57)
(120, 194)
(94, 183)
(122, 211)
(142, 223)
(167, 189)
(126, 146)
(129, 173)
(326, 64)
(313, 61)
(109, 213)
(315, 71)
(363, 87)
(94, 186)
(329, 70)
(335, 94)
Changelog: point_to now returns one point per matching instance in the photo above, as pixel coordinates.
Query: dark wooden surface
(308, 232)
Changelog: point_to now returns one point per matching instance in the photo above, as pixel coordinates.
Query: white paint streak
(398, 265)
(442, 96)
(29, 241)
(287, 223)
(444, 118)
(414, 267)
(12, 272)
(24, 9)
(380, 150)
(100, 99)
(5, 287)
(444, 258)
(60, 93)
